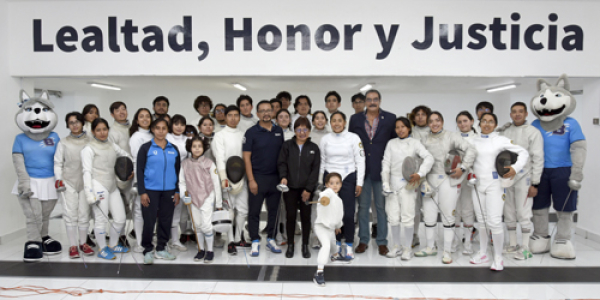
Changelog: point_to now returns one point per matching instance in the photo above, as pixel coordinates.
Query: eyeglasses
(484, 110)
(219, 111)
(74, 123)
(372, 100)
(303, 130)
(358, 102)
(263, 111)
(486, 122)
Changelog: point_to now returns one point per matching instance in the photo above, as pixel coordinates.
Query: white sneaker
(467, 248)
(255, 248)
(138, 249)
(177, 246)
(510, 249)
(446, 258)
(497, 264)
(349, 252)
(314, 243)
(407, 253)
(394, 252)
(427, 252)
(272, 245)
(479, 258)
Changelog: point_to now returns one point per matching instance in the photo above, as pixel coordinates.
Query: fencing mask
(123, 168)
(235, 169)
(505, 159)
(452, 161)
(410, 166)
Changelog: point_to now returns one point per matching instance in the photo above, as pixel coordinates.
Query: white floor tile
(246, 290)
(187, 289)
(523, 291)
(587, 291)
(312, 291)
(455, 290)
(396, 290)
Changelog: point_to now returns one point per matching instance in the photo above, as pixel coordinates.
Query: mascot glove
(91, 200)
(472, 180)
(386, 189)
(503, 127)
(574, 185)
(60, 186)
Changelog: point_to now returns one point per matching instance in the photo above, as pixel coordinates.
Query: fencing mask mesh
(410, 166)
(452, 161)
(505, 159)
(235, 169)
(123, 168)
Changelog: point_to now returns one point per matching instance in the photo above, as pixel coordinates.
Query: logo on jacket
(155, 152)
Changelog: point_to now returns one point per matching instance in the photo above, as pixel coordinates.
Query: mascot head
(36, 116)
(553, 103)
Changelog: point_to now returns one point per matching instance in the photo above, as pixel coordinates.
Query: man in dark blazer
(375, 127)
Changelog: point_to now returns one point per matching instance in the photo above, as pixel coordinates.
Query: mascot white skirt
(33, 159)
(564, 157)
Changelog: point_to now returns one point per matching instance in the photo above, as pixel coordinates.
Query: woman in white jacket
(342, 152)
(198, 180)
(140, 134)
(402, 194)
(488, 194)
(446, 187)
(464, 206)
(99, 181)
(177, 137)
(69, 174)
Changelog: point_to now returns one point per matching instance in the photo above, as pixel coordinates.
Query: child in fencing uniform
(99, 181)
(330, 212)
(402, 194)
(198, 179)
(68, 173)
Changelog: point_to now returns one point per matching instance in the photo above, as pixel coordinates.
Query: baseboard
(12, 236)
(587, 234)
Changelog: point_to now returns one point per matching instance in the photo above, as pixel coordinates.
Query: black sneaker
(51, 246)
(200, 256)
(90, 242)
(209, 257)
(183, 238)
(231, 249)
(319, 278)
(243, 243)
(374, 231)
(33, 252)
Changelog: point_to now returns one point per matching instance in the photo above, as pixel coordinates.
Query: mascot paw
(563, 249)
(574, 185)
(539, 244)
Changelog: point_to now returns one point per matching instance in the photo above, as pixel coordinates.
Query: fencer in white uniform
(225, 144)
(67, 168)
(247, 122)
(178, 138)
(419, 131)
(141, 135)
(98, 161)
(519, 197)
(446, 188)
(464, 205)
(402, 194)
(198, 179)
(488, 194)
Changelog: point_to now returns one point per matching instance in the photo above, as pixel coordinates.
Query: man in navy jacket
(375, 127)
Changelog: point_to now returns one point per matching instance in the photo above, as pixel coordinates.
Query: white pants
(203, 216)
(238, 210)
(400, 207)
(77, 209)
(327, 238)
(446, 197)
(492, 205)
(112, 202)
(464, 206)
(517, 206)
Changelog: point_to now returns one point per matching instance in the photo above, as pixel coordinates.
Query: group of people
(334, 169)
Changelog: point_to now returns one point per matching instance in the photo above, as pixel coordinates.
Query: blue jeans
(364, 203)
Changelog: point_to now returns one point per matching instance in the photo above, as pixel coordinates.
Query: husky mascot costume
(564, 156)
(33, 158)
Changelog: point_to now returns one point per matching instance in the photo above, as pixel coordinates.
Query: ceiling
(306, 84)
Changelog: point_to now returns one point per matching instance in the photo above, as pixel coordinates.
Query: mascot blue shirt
(556, 143)
(39, 155)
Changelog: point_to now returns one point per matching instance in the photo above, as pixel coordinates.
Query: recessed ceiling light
(502, 88)
(239, 86)
(367, 87)
(105, 86)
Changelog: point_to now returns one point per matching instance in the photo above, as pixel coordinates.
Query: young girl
(330, 212)
(178, 138)
(207, 132)
(320, 129)
(68, 173)
(198, 179)
(283, 119)
(488, 194)
(464, 206)
(90, 113)
(140, 134)
(99, 182)
(402, 194)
